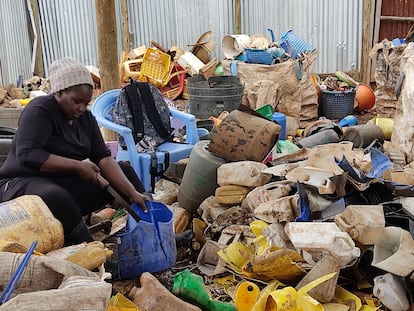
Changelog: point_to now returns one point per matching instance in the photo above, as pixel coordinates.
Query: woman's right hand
(88, 171)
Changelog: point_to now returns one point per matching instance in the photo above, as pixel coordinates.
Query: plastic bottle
(190, 287)
(284, 299)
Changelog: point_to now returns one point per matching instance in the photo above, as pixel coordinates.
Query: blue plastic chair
(141, 162)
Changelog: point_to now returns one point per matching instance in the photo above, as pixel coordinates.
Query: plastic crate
(258, 57)
(336, 105)
(155, 67)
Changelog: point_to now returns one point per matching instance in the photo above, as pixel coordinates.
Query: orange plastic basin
(364, 97)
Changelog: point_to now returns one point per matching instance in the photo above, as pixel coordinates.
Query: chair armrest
(124, 131)
(191, 134)
(120, 129)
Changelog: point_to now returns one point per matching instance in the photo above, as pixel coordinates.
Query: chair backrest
(102, 107)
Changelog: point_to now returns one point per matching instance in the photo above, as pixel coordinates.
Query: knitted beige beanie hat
(67, 72)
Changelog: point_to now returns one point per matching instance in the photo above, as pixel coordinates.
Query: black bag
(141, 107)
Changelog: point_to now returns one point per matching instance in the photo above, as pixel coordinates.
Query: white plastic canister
(316, 237)
(364, 223)
(243, 173)
(190, 63)
(390, 289)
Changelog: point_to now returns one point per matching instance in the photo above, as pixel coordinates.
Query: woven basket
(336, 105)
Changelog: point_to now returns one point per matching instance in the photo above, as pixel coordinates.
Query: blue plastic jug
(147, 245)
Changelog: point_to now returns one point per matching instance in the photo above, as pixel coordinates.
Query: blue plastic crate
(258, 57)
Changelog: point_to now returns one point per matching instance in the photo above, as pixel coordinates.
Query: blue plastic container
(280, 118)
(258, 56)
(147, 245)
(348, 120)
(293, 44)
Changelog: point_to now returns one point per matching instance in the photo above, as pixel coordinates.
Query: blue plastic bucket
(147, 245)
(293, 44)
(280, 118)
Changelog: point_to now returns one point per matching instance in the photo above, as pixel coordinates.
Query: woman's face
(74, 100)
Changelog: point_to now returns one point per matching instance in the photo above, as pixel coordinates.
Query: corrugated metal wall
(180, 22)
(68, 27)
(15, 42)
(333, 27)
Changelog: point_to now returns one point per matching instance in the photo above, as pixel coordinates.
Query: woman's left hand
(139, 199)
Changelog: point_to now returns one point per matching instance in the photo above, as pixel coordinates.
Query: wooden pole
(126, 41)
(366, 40)
(107, 50)
(39, 69)
(377, 24)
(107, 44)
(237, 17)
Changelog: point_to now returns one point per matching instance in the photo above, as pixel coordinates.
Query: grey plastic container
(211, 97)
(200, 177)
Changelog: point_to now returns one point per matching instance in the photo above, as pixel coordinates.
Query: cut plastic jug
(386, 125)
(147, 245)
(266, 111)
(314, 237)
(364, 223)
(190, 287)
(391, 289)
(394, 252)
